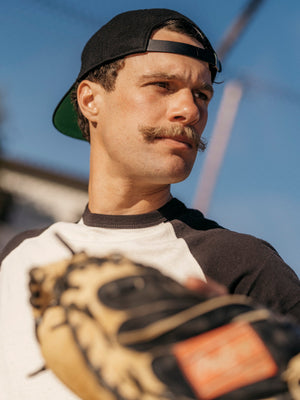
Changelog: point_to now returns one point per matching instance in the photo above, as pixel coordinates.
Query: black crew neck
(169, 211)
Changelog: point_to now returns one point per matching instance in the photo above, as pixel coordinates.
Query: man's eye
(164, 85)
(201, 96)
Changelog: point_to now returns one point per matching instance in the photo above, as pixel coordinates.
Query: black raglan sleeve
(243, 263)
(250, 266)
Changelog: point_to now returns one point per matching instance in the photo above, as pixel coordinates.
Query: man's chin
(176, 178)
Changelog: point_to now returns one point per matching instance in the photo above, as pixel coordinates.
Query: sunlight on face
(159, 90)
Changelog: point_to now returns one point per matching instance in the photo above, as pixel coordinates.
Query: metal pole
(222, 131)
(237, 28)
(218, 144)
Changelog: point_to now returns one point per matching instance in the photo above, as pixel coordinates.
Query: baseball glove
(112, 329)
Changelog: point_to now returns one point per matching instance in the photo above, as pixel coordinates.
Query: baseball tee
(178, 241)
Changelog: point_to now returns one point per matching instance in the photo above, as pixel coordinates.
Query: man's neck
(125, 199)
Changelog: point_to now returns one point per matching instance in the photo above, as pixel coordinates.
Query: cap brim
(65, 118)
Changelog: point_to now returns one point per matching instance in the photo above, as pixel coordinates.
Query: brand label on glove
(224, 359)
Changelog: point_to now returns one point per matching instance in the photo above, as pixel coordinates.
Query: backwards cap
(129, 33)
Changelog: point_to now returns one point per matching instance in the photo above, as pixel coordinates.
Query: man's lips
(181, 139)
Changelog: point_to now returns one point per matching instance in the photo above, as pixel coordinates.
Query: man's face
(156, 90)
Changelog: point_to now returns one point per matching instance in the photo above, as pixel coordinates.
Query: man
(142, 96)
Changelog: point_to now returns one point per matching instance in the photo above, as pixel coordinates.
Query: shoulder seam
(18, 239)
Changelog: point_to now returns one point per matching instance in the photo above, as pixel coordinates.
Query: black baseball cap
(129, 33)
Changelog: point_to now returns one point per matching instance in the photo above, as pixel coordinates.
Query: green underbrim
(65, 118)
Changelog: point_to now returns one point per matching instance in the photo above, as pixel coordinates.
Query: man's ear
(87, 99)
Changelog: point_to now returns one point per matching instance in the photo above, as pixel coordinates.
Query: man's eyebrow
(166, 76)
(159, 75)
(207, 86)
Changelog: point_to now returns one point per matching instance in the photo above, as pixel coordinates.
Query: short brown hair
(106, 76)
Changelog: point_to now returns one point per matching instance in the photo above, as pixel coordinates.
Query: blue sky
(258, 188)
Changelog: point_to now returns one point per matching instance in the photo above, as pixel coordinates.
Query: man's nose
(183, 108)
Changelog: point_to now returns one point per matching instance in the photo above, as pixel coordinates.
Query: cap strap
(185, 49)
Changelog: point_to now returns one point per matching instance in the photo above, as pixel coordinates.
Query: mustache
(151, 133)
